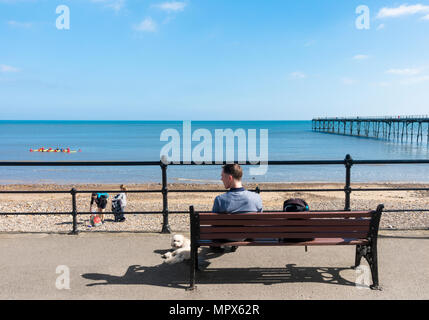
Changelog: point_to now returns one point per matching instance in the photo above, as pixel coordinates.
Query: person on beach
(237, 200)
(119, 203)
(100, 199)
(94, 219)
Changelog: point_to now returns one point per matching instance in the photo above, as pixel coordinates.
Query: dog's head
(178, 241)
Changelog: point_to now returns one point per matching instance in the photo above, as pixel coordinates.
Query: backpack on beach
(95, 221)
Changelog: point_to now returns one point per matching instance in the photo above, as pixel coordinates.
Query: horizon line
(149, 120)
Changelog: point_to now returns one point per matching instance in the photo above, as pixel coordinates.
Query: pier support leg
(390, 129)
(428, 134)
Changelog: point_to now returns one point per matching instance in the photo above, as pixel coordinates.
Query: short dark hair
(234, 170)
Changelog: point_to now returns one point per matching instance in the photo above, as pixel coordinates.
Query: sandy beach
(10, 203)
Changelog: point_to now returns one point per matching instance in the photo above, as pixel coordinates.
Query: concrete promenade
(128, 266)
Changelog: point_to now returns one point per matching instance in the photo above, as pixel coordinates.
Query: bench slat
(285, 215)
(257, 235)
(288, 222)
(251, 229)
(315, 242)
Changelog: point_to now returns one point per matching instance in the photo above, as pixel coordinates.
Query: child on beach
(119, 203)
(94, 220)
(100, 199)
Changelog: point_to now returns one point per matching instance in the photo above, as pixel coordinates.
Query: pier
(399, 128)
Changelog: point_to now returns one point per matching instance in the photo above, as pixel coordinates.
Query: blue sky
(212, 60)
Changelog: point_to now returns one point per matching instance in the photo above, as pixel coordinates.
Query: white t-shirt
(123, 197)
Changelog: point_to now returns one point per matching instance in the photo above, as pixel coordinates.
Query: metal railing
(348, 162)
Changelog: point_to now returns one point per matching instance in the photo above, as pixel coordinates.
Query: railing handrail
(182, 163)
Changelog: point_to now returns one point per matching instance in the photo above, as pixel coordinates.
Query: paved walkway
(129, 266)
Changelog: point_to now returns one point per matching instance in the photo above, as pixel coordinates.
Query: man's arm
(216, 206)
(259, 204)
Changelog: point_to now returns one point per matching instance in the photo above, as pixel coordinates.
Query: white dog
(182, 250)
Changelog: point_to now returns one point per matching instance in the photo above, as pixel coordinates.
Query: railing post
(74, 211)
(165, 225)
(194, 224)
(348, 161)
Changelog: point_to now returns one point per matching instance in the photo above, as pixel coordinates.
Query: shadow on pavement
(177, 276)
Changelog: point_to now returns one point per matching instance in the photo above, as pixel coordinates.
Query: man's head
(231, 176)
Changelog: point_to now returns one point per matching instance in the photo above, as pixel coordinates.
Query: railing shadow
(421, 237)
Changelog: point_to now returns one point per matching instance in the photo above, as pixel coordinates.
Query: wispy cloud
(16, 1)
(298, 75)
(116, 5)
(410, 76)
(382, 84)
(415, 80)
(18, 24)
(310, 43)
(173, 6)
(6, 68)
(402, 10)
(147, 25)
(348, 81)
(381, 26)
(361, 57)
(404, 72)
(426, 17)
(150, 25)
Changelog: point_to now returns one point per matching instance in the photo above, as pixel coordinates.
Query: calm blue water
(122, 140)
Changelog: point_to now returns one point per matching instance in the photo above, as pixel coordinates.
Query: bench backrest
(346, 224)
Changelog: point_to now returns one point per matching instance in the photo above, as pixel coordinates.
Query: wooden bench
(357, 228)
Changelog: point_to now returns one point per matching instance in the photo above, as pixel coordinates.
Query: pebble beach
(140, 202)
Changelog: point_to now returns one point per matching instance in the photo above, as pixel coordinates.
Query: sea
(141, 141)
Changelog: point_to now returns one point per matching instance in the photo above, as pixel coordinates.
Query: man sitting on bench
(237, 199)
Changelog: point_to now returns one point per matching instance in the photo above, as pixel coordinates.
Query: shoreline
(140, 202)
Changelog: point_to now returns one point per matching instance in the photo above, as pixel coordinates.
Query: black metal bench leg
(373, 264)
(371, 249)
(371, 257)
(358, 257)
